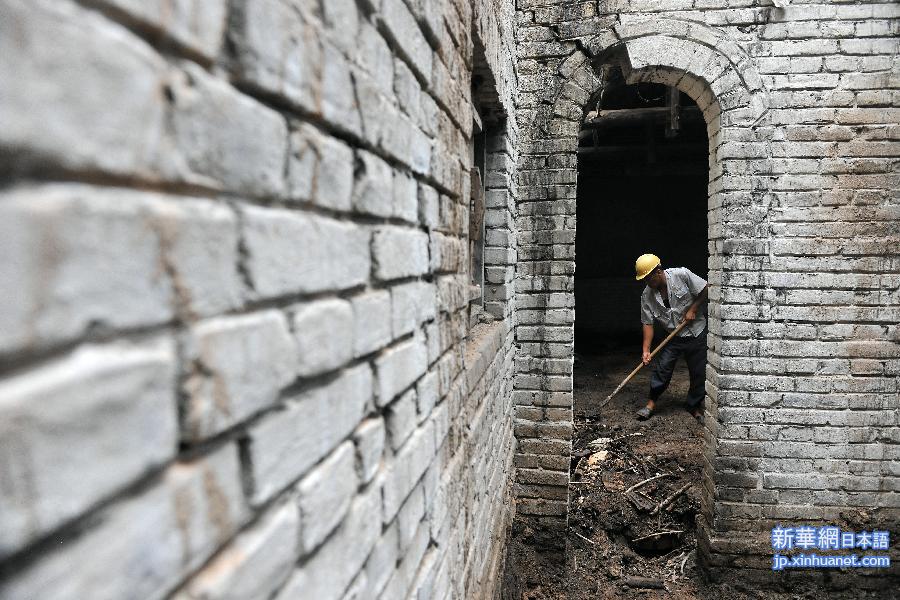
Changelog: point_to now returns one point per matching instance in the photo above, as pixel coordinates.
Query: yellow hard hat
(644, 265)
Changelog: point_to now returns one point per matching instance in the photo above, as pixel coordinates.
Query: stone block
(198, 25)
(373, 192)
(108, 66)
(279, 50)
(79, 428)
(293, 252)
(238, 365)
(399, 367)
(320, 169)
(369, 440)
(371, 322)
(78, 257)
(285, 444)
(323, 330)
(324, 496)
(144, 546)
(254, 564)
(226, 139)
(399, 252)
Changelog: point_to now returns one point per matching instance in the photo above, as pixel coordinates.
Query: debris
(596, 458)
(627, 435)
(588, 540)
(671, 498)
(646, 481)
(683, 562)
(644, 582)
(600, 442)
(659, 542)
(640, 501)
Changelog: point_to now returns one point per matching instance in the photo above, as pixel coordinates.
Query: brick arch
(719, 76)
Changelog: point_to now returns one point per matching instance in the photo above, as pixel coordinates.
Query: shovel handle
(641, 364)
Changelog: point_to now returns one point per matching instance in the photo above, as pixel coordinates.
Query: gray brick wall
(801, 106)
(238, 357)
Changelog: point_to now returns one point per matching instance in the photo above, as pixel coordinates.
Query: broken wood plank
(671, 498)
(646, 481)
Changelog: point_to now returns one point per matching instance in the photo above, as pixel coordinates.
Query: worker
(673, 296)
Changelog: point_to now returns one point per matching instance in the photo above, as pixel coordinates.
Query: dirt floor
(634, 497)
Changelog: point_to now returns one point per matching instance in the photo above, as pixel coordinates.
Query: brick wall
(801, 106)
(237, 358)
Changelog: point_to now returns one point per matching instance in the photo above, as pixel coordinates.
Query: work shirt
(683, 289)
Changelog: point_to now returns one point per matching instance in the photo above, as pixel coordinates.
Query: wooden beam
(636, 115)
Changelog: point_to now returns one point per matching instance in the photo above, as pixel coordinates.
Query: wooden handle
(641, 364)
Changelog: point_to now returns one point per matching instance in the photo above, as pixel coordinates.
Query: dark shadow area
(636, 486)
(642, 187)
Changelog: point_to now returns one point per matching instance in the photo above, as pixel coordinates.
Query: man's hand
(690, 315)
(645, 358)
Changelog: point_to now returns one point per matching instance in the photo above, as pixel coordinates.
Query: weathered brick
(278, 50)
(399, 367)
(238, 366)
(79, 428)
(407, 468)
(323, 331)
(320, 169)
(330, 570)
(290, 252)
(401, 418)
(372, 321)
(402, 28)
(284, 444)
(169, 530)
(104, 268)
(369, 440)
(373, 191)
(113, 69)
(195, 24)
(324, 496)
(399, 252)
(254, 564)
(226, 139)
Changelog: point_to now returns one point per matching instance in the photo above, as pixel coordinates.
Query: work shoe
(644, 414)
(697, 413)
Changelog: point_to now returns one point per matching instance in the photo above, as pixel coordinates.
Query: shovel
(641, 364)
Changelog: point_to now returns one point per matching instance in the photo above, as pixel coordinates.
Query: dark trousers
(694, 351)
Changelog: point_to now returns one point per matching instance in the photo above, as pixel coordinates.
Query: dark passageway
(642, 187)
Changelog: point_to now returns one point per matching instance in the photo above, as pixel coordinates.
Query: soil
(610, 538)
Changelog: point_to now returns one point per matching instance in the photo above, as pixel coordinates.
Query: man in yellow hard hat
(673, 296)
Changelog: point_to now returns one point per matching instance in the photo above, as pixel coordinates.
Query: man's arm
(645, 347)
(691, 312)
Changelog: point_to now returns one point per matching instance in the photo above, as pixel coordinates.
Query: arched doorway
(635, 486)
(728, 93)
